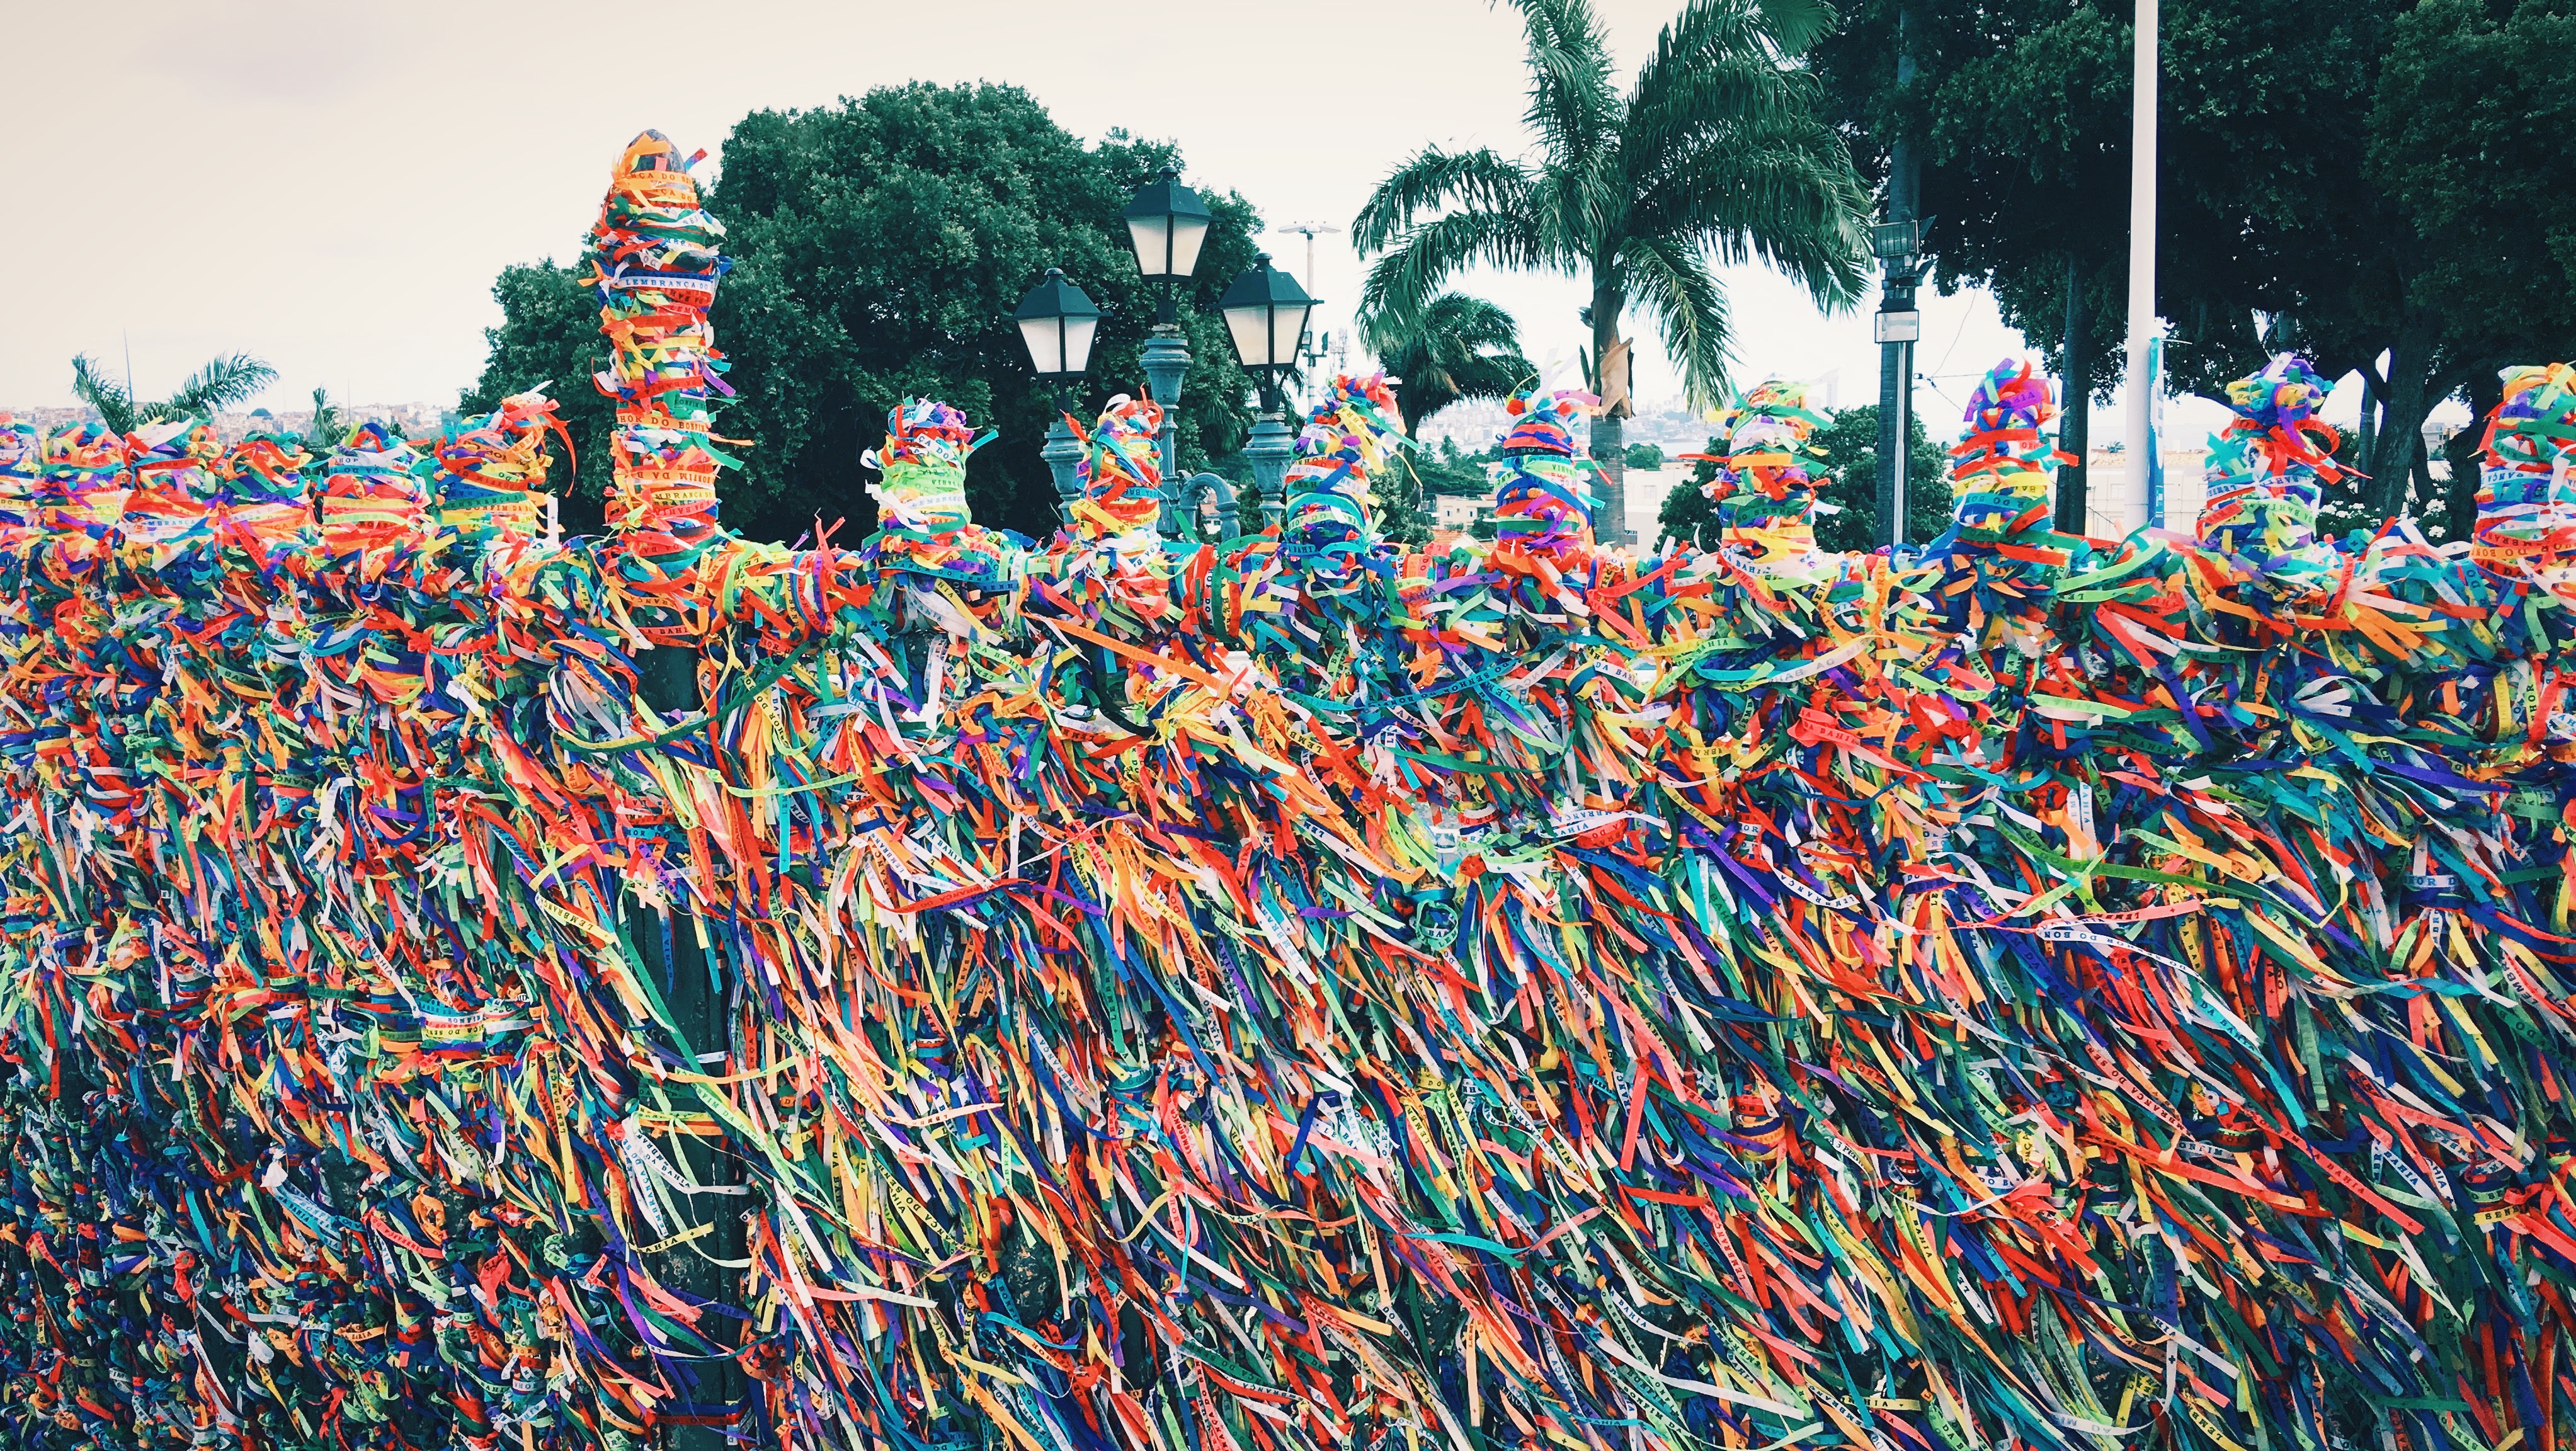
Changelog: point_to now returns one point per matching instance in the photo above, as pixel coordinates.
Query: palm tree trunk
(1609, 431)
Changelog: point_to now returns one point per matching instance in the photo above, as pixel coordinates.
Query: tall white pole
(2138, 481)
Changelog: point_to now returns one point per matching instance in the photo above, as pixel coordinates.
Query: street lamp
(1166, 222)
(1265, 319)
(1058, 322)
(1895, 329)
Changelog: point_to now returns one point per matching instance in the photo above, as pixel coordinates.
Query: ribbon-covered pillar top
(1765, 484)
(655, 260)
(2526, 497)
(1353, 439)
(1543, 494)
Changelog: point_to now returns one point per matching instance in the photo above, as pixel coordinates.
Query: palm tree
(223, 381)
(1456, 347)
(1715, 153)
(328, 430)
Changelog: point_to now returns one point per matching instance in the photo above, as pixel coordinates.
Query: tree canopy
(2351, 180)
(1450, 349)
(879, 248)
(222, 382)
(1847, 496)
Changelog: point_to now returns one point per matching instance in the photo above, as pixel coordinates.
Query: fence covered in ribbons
(2023, 991)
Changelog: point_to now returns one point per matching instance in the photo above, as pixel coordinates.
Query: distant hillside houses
(1669, 425)
(412, 420)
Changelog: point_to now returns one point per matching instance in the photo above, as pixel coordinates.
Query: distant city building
(1457, 511)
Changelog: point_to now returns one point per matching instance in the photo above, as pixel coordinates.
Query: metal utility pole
(1897, 243)
(2143, 483)
(1310, 231)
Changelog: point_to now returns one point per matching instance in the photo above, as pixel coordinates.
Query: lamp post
(1895, 328)
(1166, 222)
(1058, 322)
(1265, 319)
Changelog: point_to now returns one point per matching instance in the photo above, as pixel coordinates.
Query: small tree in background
(221, 383)
(1847, 498)
(1645, 456)
(1450, 349)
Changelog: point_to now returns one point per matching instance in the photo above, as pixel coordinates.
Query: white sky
(333, 186)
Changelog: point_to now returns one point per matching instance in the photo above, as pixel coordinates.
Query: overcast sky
(333, 186)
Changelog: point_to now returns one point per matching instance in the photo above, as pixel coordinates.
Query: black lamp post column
(1166, 223)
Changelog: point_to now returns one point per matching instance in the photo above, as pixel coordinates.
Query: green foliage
(1847, 501)
(2350, 180)
(879, 248)
(1453, 348)
(1645, 456)
(1715, 151)
(1403, 504)
(328, 427)
(221, 383)
(1451, 470)
(549, 334)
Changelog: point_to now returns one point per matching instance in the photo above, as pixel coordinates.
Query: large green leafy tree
(1847, 500)
(1715, 151)
(879, 248)
(2353, 181)
(2486, 260)
(549, 335)
(1453, 348)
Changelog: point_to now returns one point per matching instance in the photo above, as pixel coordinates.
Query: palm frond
(327, 431)
(1495, 375)
(114, 404)
(1573, 106)
(1786, 197)
(1708, 91)
(1454, 347)
(1481, 180)
(222, 382)
(1673, 283)
(1404, 280)
(1796, 25)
